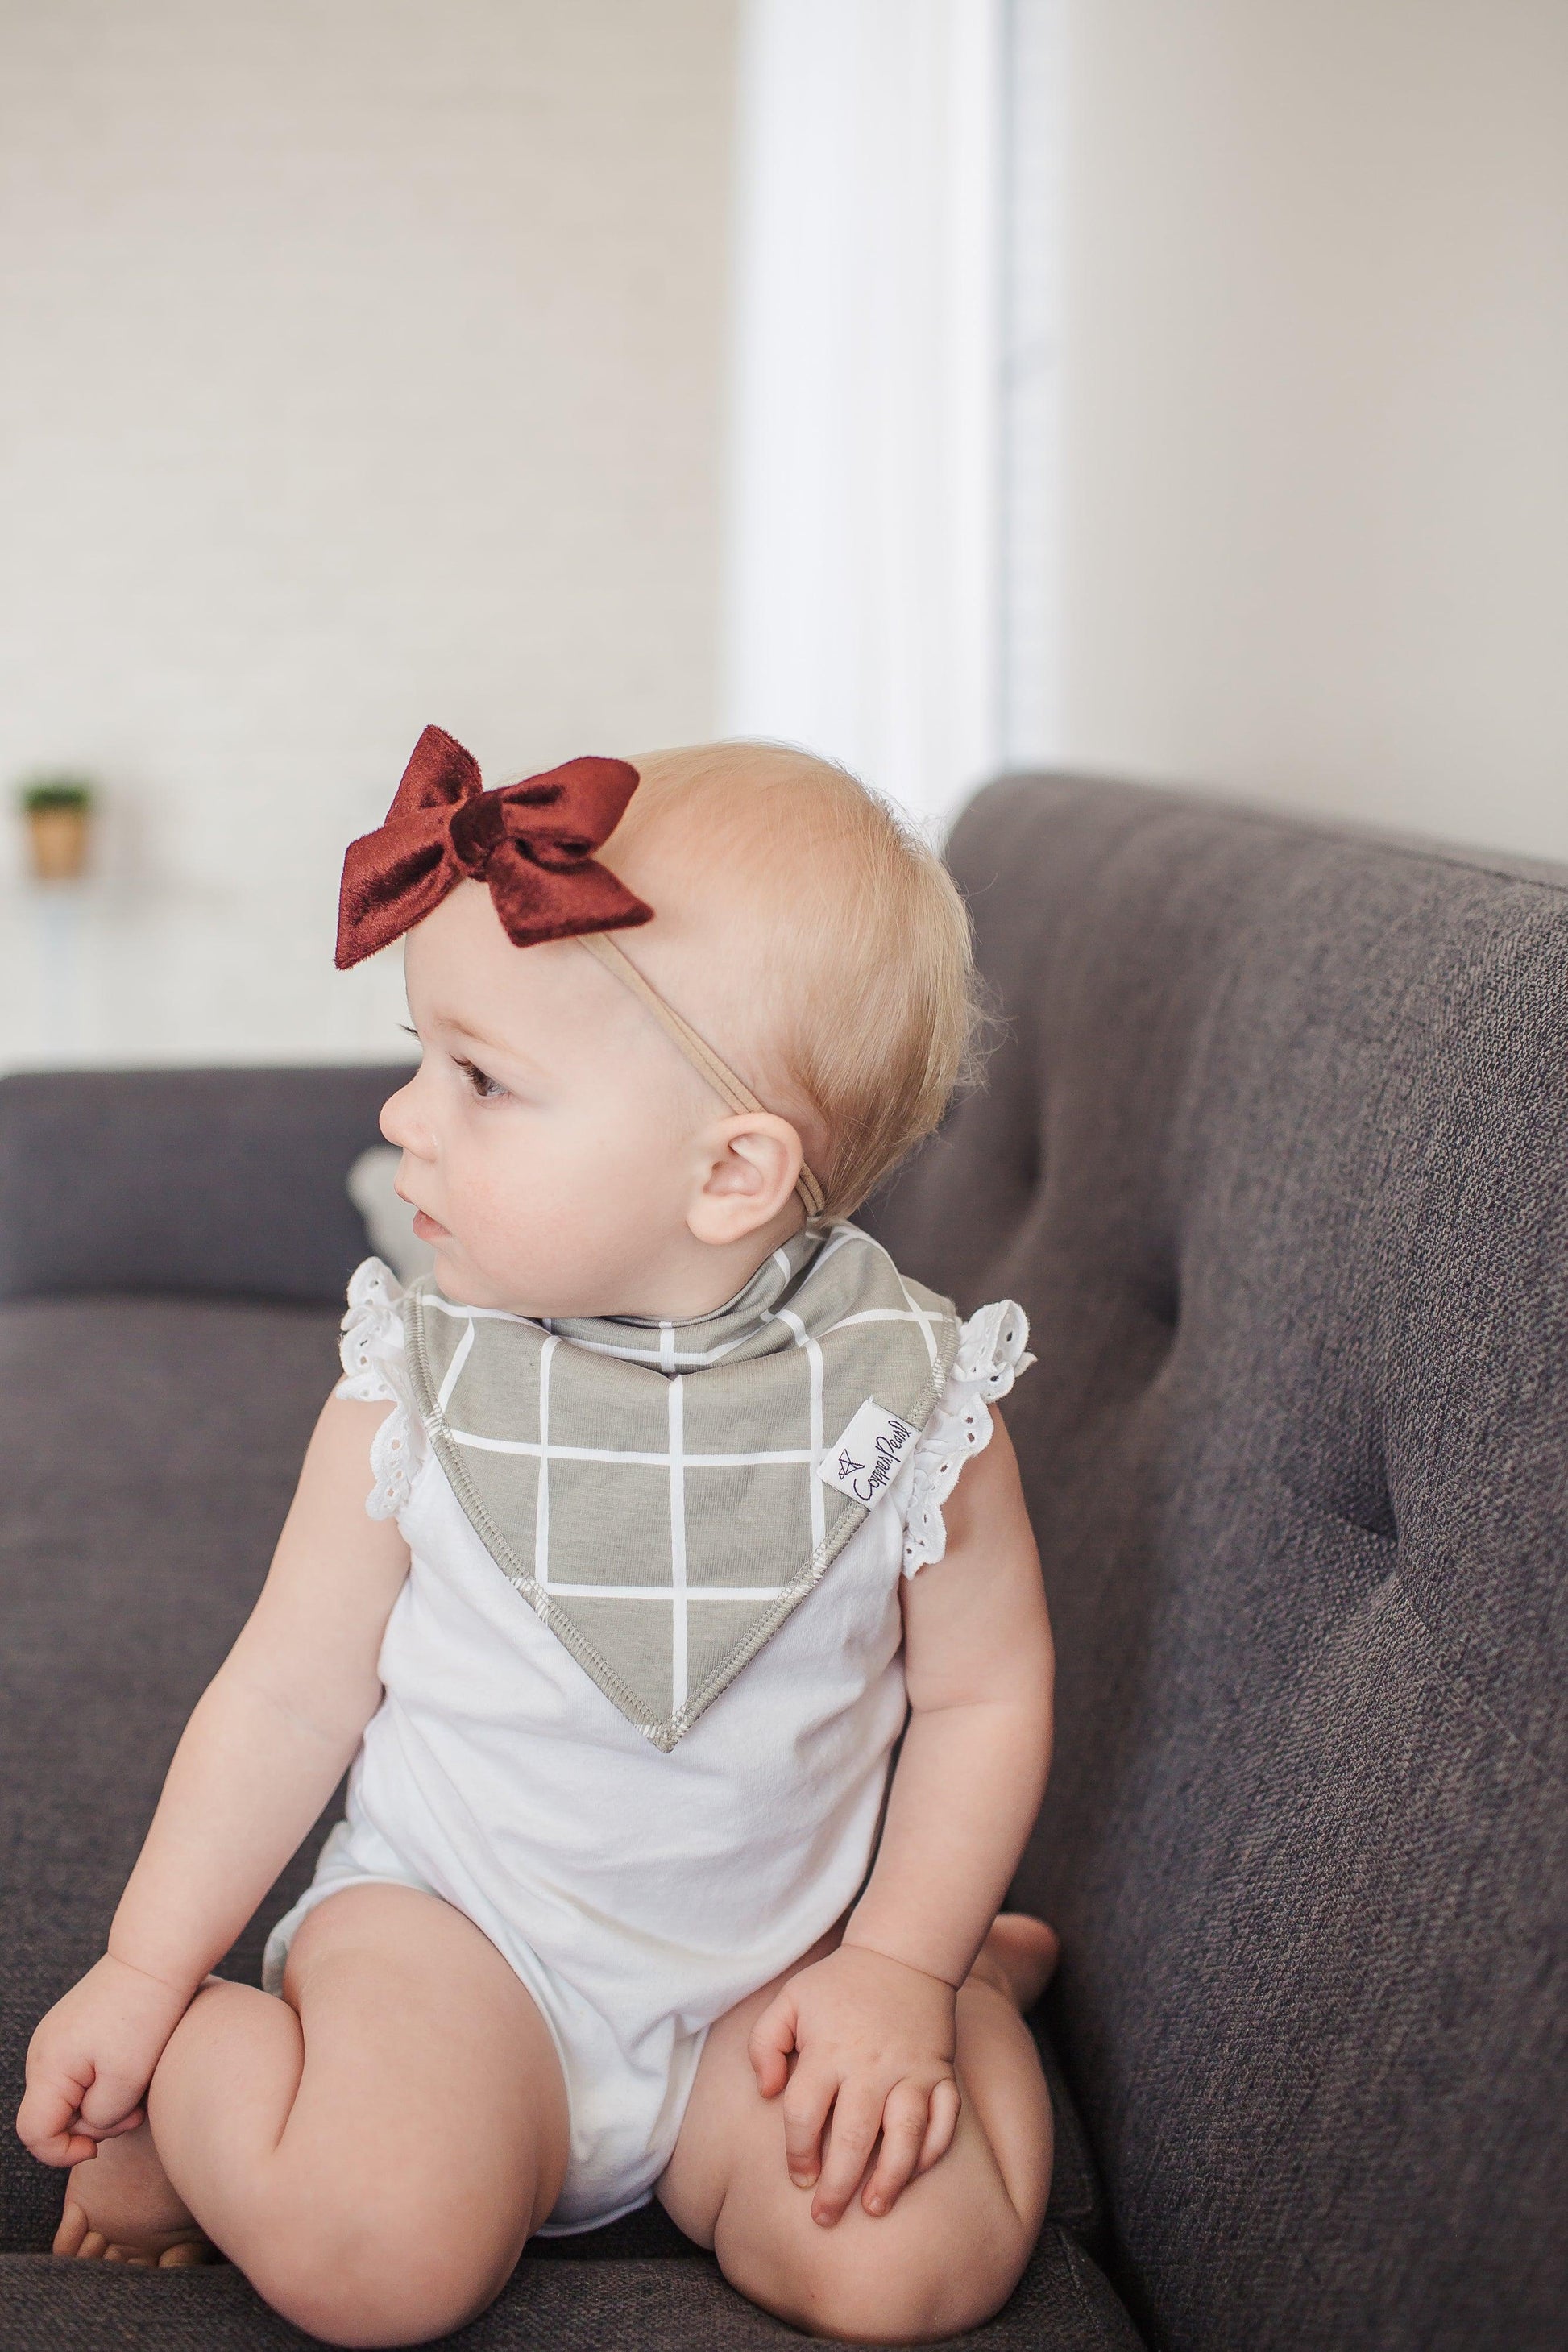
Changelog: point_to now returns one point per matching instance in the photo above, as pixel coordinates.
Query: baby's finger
(769, 2044)
(109, 2102)
(857, 2119)
(132, 2122)
(945, 2102)
(806, 2105)
(55, 2141)
(47, 2126)
(903, 2134)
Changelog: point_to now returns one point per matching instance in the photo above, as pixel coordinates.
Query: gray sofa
(1275, 1152)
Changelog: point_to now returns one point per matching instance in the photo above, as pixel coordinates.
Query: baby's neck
(693, 1287)
(684, 1281)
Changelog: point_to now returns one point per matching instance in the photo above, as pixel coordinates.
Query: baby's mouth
(425, 1227)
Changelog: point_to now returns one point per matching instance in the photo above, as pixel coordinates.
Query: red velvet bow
(532, 841)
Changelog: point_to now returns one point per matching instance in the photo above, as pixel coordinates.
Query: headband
(532, 843)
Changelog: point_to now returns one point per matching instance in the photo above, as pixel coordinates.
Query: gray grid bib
(664, 1495)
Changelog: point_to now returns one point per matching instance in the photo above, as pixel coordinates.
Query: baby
(666, 1546)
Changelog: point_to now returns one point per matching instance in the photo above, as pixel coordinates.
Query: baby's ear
(752, 1164)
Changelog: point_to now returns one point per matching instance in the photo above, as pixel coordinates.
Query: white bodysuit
(639, 1895)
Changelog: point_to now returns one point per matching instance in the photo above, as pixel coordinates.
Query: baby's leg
(955, 2246)
(374, 2150)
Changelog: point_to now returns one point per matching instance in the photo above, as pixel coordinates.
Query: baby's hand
(875, 2043)
(91, 2059)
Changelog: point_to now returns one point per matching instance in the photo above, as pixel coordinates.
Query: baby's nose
(400, 1124)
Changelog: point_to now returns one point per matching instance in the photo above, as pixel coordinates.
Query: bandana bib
(664, 1495)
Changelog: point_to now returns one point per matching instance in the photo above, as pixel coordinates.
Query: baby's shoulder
(374, 1354)
(372, 1332)
(992, 1351)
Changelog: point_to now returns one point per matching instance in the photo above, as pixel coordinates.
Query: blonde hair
(861, 935)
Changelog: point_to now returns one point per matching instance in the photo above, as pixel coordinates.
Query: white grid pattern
(674, 1459)
(803, 1338)
(664, 1352)
(660, 1461)
(541, 1501)
(676, 1544)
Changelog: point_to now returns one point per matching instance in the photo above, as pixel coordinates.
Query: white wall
(1315, 459)
(365, 367)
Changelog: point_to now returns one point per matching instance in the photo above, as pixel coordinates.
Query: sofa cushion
(552, 2304)
(227, 1181)
(1273, 1153)
(148, 1451)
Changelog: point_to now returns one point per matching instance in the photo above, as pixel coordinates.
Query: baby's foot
(1017, 1956)
(120, 2207)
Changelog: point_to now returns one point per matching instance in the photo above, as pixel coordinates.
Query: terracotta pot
(59, 839)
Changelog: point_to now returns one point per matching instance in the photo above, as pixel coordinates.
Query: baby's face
(552, 1137)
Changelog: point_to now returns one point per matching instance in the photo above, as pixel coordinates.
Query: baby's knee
(412, 2300)
(870, 2282)
(371, 2274)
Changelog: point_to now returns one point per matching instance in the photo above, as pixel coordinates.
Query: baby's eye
(485, 1088)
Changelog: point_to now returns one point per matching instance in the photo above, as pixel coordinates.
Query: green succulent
(57, 793)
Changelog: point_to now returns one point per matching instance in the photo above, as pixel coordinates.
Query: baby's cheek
(543, 1191)
(629, 1147)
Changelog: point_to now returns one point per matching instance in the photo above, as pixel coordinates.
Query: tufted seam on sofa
(1388, 1538)
(1447, 1660)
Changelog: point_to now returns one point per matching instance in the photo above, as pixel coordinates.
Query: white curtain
(864, 561)
(1028, 391)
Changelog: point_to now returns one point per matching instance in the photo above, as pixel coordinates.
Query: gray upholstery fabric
(218, 1180)
(148, 1450)
(552, 2304)
(1273, 1153)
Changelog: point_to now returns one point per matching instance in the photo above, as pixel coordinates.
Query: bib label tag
(869, 1453)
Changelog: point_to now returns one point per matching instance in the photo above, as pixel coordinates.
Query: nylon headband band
(697, 1050)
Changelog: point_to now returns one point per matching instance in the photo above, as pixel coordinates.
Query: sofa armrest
(227, 1181)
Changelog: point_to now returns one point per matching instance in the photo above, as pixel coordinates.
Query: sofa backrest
(181, 1180)
(1274, 1152)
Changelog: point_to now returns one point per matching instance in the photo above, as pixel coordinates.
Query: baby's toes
(1019, 1955)
(68, 2237)
(76, 2241)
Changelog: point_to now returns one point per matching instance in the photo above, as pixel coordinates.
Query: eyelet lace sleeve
(375, 1371)
(992, 1352)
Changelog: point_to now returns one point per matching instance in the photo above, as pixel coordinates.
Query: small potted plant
(58, 810)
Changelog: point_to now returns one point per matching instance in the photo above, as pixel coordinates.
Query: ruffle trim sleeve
(375, 1371)
(992, 1352)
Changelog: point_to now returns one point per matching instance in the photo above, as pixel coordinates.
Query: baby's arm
(261, 1756)
(980, 1670)
(873, 2024)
